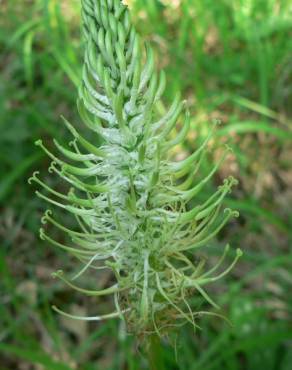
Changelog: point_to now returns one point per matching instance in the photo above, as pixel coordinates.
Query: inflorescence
(130, 200)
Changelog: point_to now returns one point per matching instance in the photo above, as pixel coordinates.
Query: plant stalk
(154, 352)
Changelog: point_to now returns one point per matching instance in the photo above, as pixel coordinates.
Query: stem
(154, 352)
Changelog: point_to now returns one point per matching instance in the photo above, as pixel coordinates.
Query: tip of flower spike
(239, 252)
(72, 142)
(38, 194)
(217, 121)
(228, 148)
(235, 214)
(54, 308)
(52, 167)
(33, 177)
(44, 219)
(231, 181)
(57, 274)
(64, 167)
(42, 234)
(38, 142)
(70, 127)
(231, 212)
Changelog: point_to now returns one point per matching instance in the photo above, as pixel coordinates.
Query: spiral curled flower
(131, 201)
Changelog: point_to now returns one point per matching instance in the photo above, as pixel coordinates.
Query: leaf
(251, 345)
(246, 127)
(34, 357)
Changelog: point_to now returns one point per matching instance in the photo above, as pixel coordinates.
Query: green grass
(232, 61)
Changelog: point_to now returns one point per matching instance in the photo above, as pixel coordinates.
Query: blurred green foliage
(232, 60)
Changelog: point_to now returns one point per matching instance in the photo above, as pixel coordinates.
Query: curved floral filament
(95, 293)
(148, 69)
(181, 168)
(79, 171)
(70, 198)
(72, 209)
(74, 251)
(75, 156)
(195, 284)
(86, 144)
(180, 137)
(165, 296)
(89, 318)
(172, 114)
(73, 180)
(47, 218)
(212, 279)
(199, 244)
(218, 264)
(187, 195)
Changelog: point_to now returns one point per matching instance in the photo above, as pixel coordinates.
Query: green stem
(154, 352)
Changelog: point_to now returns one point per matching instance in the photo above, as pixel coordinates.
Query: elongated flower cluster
(131, 201)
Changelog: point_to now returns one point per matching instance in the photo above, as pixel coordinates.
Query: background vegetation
(232, 60)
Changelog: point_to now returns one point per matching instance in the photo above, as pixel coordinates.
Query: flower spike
(137, 211)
